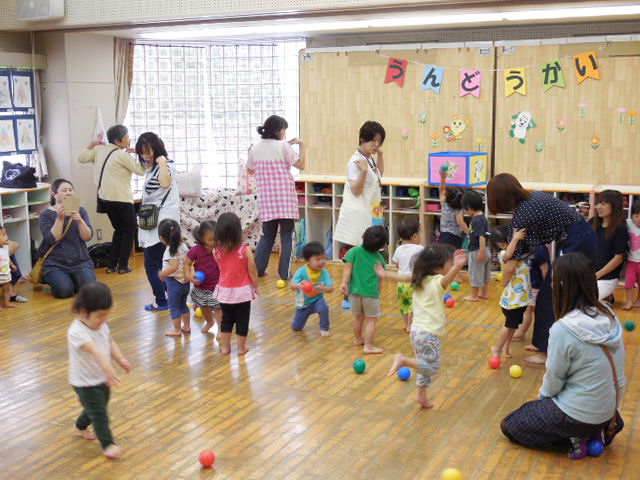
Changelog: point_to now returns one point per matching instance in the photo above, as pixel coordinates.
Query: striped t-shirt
(84, 371)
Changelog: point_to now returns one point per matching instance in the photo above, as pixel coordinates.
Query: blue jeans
(177, 293)
(580, 238)
(152, 265)
(265, 246)
(64, 284)
(302, 314)
(17, 274)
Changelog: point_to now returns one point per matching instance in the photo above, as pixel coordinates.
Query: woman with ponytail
(172, 274)
(271, 160)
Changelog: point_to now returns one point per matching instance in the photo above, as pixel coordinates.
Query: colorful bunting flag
(432, 78)
(396, 70)
(470, 81)
(515, 80)
(551, 75)
(586, 65)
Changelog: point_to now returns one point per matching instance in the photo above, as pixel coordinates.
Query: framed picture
(7, 136)
(25, 128)
(5, 90)
(22, 90)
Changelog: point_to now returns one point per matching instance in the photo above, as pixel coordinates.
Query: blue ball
(595, 448)
(404, 373)
(446, 297)
(199, 276)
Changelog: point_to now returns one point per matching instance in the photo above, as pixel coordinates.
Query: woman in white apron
(361, 197)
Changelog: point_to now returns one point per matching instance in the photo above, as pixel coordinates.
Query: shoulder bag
(99, 204)
(36, 272)
(148, 214)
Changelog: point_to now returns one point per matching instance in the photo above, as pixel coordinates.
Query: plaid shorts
(405, 295)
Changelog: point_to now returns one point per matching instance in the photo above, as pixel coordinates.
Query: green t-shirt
(364, 280)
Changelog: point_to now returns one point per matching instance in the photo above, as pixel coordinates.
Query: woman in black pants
(113, 167)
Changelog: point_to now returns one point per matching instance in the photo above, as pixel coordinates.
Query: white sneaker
(19, 299)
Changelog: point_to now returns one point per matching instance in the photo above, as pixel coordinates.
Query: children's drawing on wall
(582, 109)
(404, 133)
(456, 129)
(7, 136)
(5, 92)
(562, 124)
(539, 146)
(422, 118)
(22, 92)
(480, 144)
(26, 129)
(595, 142)
(520, 125)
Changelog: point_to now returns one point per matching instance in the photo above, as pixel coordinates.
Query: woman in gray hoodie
(578, 397)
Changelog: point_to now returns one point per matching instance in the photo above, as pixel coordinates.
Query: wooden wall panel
(567, 156)
(339, 92)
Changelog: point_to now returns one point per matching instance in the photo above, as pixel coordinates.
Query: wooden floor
(291, 408)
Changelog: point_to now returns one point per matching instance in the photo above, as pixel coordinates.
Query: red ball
(307, 286)
(450, 302)
(207, 457)
(494, 362)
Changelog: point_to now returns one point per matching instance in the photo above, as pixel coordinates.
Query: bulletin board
(340, 91)
(588, 132)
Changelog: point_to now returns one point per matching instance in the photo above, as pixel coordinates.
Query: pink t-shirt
(235, 285)
(272, 161)
(204, 261)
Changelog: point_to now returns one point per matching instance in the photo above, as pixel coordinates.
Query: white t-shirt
(634, 241)
(405, 256)
(84, 371)
(353, 171)
(180, 254)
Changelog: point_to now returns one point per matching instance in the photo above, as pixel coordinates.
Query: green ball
(630, 326)
(444, 168)
(359, 366)
(455, 286)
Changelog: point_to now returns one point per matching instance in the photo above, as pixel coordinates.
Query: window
(205, 101)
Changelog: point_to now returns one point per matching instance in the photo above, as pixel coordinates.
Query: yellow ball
(198, 312)
(515, 371)
(499, 277)
(451, 474)
(280, 283)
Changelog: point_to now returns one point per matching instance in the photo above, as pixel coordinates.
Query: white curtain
(123, 66)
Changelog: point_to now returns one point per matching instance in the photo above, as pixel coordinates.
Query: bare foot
(422, 400)
(372, 349)
(471, 299)
(325, 333)
(357, 342)
(531, 348)
(225, 351)
(519, 338)
(243, 351)
(495, 353)
(10, 305)
(86, 434)
(483, 297)
(398, 361)
(538, 359)
(207, 327)
(113, 451)
(628, 306)
(186, 330)
(506, 353)
(174, 333)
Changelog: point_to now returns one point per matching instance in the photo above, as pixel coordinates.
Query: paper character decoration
(562, 124)
(480, 144)
(7, 136)
(551, 75)
(26, 134)
(621, 111)
(595, 142)
(5, 92)
(451, 169)
(582, 107)
(422, 118)
(456, 129)
(22, 90)
(632, 116)
(404, 133)
(586, 65)
(539, 146)
(99, 132)
(515, 80)
(434, 140)
(432, 78)
(520, 125)
(396, 70)
(470, 81)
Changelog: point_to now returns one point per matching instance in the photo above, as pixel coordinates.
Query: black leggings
(94, 402)
(238, 314)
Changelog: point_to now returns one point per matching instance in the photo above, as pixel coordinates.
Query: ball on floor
(595, 448)
(451, 474)
(515, 371)
(494, 362)
(404, 373)
(630, 326)
(359, 366)
(499, 277)
(450, 302)
(198, 312)
(280, 283)
(455, 286)
(207, 458)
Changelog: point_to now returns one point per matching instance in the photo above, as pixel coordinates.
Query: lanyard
(372, 163)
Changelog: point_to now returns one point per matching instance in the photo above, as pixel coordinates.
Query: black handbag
(99, 205)
(16, 175)
(148, 214)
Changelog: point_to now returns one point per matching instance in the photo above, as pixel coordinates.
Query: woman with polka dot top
(545, 219)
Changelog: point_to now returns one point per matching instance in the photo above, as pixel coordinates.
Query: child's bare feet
(372, 349)
(242, 351)
(531, 348)
(517, 338)
(9, 305)
(538, 359)
(628, 306)
(505, 352)
(483, 297)
(113, 451)
(174, 333)
(398, 361)
(325, 333)
(207, 327)
(471, 299)
(495, 353)
(186, 330)
(225, 350)
(359, 342)
(421, 398)
(86, 434)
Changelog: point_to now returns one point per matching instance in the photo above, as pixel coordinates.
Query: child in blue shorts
(311, 302)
